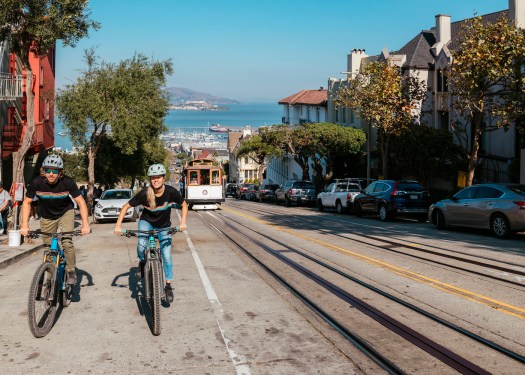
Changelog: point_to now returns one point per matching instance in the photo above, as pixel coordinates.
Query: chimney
(517, 13)
(442, 29)
(353, 63)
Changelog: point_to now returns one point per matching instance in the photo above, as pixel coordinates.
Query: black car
(266, 192)
(230, 190)
(298, 191)
(390, 198)
(251, 191)
(243, 190)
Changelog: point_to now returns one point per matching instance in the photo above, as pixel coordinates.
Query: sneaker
(141, 269)
(169, 293)
(72, 277)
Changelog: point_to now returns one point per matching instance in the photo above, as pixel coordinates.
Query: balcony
(442, 101)
(10, 86)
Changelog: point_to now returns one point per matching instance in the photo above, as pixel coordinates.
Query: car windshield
(116, 195)
(303, 185)
(518, 189)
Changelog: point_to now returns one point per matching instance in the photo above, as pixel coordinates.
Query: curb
(23, 254)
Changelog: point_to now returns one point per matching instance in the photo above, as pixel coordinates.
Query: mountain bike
(48, 287)
(153, 272)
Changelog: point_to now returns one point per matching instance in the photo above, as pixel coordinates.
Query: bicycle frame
(55, 254)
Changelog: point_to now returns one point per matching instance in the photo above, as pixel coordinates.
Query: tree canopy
(487, 82)
(125, 103)
(34, 26)
(259, 151)
(385, 98)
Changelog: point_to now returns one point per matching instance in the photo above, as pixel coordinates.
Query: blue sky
(256, 50)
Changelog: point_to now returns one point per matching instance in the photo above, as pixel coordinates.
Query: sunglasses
(50, 170)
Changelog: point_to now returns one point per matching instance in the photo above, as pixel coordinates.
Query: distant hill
(179, 95)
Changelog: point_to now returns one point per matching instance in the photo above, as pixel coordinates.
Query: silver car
(109, 205)
(498, 207)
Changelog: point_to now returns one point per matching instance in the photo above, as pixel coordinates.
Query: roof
(307, 97)
(418, 50)
(233, 139)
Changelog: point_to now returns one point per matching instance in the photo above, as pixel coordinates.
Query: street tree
(126, 102)
(425, 154)
(329, 145)
(294, 141)
(33, 27)
(384, 97)
(259, 151)
(487, 82)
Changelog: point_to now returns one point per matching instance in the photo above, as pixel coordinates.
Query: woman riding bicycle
(157, 200)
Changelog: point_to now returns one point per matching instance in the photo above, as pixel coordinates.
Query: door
(460, 210)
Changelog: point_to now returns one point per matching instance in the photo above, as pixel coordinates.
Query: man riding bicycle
(157, 200)
(55, 192)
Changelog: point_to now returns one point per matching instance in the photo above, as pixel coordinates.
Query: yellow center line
(478, 298)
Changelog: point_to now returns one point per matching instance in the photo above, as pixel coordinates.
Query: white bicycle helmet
(53, 161)
(156, 170)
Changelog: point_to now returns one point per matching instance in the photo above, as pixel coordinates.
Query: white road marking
(238, 360)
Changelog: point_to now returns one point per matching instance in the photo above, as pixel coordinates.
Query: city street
(230, 316)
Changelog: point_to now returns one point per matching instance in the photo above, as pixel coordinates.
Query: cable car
(203, 184)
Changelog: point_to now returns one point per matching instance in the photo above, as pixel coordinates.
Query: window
(380, 187)
(468, 193)
(41, 78)
(46, 110)
(194, 177)
(488, 192)
(215, 178)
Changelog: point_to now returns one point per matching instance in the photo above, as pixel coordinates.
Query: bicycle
(153, 272)
(48, 287)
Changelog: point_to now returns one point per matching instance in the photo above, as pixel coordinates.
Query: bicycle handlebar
(37, 233)
(135, 232)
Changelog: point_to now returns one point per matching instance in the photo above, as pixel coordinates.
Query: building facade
(13, 108)
(427, 56)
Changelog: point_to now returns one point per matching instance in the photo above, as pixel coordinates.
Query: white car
(108, 206)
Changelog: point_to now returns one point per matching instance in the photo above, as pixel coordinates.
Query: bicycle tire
(155, 296)
(42, 286)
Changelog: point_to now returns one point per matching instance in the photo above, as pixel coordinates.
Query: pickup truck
(339, 195)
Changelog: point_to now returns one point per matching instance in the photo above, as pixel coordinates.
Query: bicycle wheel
(42, 303)
(154, 282)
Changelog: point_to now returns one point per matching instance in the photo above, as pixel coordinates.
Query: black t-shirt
(159, 217)
(54, 200)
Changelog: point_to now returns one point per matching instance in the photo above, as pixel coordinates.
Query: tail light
(291, 191)
(521, 204)
(394, 192)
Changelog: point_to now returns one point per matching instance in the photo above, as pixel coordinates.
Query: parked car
(108, 206)
(266, 193)
(230, 190)
(390, 198)
(498, 207)
(339, 195)
(242, 190)
(250, 192)
(297, 191)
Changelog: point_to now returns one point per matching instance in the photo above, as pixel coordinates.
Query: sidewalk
(11, 254)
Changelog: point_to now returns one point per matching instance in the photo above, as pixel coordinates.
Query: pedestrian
(55, 190)
(157, 201)
(5, 207)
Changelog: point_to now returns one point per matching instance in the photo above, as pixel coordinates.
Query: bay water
(236, 116)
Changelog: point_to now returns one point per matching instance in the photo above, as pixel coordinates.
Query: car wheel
(440, 220)
(320, 205)
(95, 221)
(288, 202)
(260, 199)
(500, 226)
(339, 207)
(384, 215)
(357, 210)
(276, 201)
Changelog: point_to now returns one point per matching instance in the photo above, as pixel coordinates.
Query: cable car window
(215, 178)
(194, 177)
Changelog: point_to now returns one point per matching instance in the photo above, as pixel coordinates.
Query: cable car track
(443, 354)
